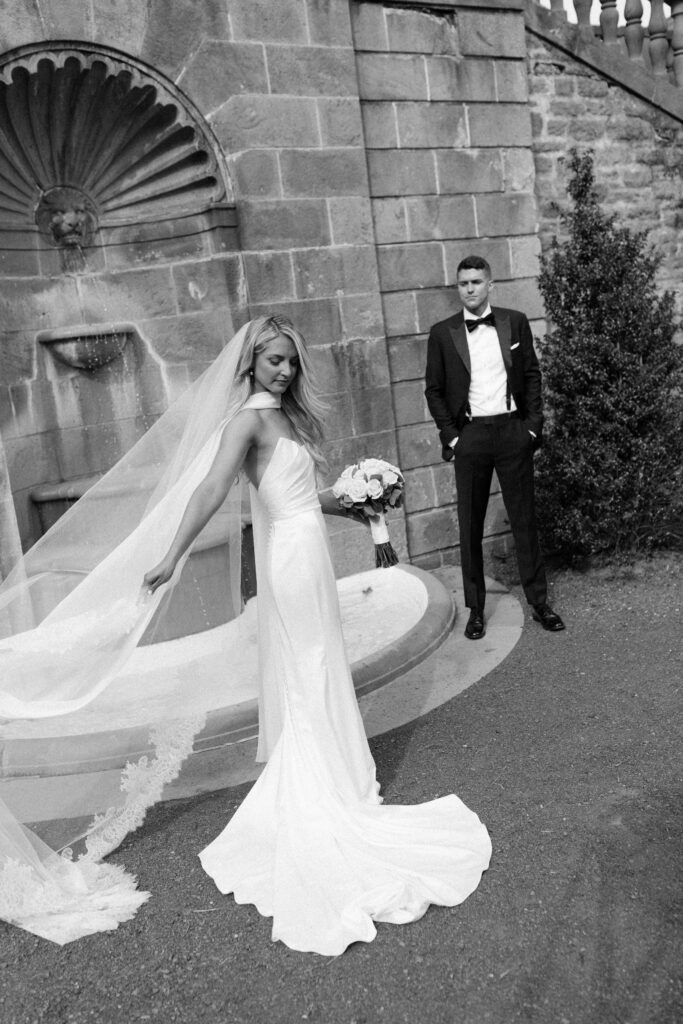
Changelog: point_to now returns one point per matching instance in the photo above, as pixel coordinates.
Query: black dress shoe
(475, 628)
(549, 619)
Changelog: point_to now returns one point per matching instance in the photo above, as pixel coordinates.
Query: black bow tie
(488, 319)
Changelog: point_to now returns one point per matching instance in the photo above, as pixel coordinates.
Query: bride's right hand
(159, 575)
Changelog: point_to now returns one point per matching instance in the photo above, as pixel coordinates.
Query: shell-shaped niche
(89, 140)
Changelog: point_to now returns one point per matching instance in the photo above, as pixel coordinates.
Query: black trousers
(500, 443)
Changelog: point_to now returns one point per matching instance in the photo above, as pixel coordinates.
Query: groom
(483, 388)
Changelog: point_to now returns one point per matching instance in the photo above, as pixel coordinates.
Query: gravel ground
(569, 751)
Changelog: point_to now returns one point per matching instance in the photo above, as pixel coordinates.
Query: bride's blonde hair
(300, 402)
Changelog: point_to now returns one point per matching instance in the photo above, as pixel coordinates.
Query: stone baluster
(658, 46)
(583, 16)
(609, 20)
(677, 40)
(633, 33)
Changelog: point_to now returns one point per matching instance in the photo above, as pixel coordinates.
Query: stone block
(491, 33)
(31, 460)
(193, 337)
(400, 314)
(513, 214)
(340, 121)
(20, 24)
(511, 81)
(361, 316)
(521, 294)
(427, 125)
(117, 19)
(407, 357)
(389, 216)
(410, 405)
(64, 20)
(369, 27)
(499, 124)
(209, 284)
(525, 253)
(415, 31)
(283, 225)
(265, 21)
(519, 170)
(250, 121)
(256, 173)
(311, 70)
(317, 319)
(334, 271)
(444, 482)
(413, 265)
(17, 356)
(410, 172)
(324, 172)
(329, 22)
(366, 362)
(173, 31)
(495, 250)
(418, 445)
(38, 304)
(19, 254)
(431, 531)
(434, 305)
(339, 415)
(456, 79)
(372, 410)
(390, 76)
(419, 490)
(269, 276)
(218, 70)
(347, 450)
(379, 125)
(330, 367)
(440, 217)
(468, 170)
(151, 243)
(350, 220)
(130, 295)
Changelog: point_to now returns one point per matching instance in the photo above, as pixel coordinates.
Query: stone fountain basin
(392, 619)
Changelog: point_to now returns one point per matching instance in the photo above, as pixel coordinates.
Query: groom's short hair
(474, 263)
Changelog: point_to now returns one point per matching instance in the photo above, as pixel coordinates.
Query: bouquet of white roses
(369, 488)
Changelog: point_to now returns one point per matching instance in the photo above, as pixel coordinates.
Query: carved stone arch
(91, 139)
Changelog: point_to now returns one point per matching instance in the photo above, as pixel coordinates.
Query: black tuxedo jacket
(448, 373)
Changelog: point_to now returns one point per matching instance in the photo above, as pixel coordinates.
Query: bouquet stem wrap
(385, 556)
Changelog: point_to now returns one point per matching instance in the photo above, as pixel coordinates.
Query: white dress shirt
(488, 381)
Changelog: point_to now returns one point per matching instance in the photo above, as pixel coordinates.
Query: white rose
(370, 466)
(348, 472)
(375, 489)
(357, 489)
(389, 478)
(339, 487)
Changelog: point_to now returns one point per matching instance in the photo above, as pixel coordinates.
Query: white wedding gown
(312, 846)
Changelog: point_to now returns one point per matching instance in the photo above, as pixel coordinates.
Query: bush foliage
(609, 476)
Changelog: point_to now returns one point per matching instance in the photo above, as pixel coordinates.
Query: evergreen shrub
(609, 478)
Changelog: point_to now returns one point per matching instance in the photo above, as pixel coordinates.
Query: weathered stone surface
(525, 253)
(491, 33)
(311, 70)
(350, 220)
(519, 172)
(410, 173)
(340, 121)
(513, 214)
(410, 404)
(452, 78)
(379, 123)
(431, 125)
(400, 313)
(324, 172)
(334, 271)
(416, 265)
(283, 225)
(218, 70)
(366, 362)
(264, 21)
(329, 22)
(372, 410)
(499, 124)
(20, 24)
(120, 23)
(414, 31)
(431, 531)
(269, 276)
(65, 19)
(469, 170)
(17, 356)
(436, 304)
(407, 357)
(511, 81)
(192, 337)
(369, 27)
(391, 76)
(31, 460)
(266, 122)
(318, 319)
(390, 220)
(209, 284)
(18, 254)
(418, 445)
(419, 490)
(521, 294)
(256, 173)
(173, 31)
(130, 295)
(361, 316)
(40, 304)
(440, 217)
(495, 250)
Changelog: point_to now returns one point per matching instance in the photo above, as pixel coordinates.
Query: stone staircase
(644, 58)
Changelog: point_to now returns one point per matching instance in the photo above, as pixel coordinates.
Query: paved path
(569, 750)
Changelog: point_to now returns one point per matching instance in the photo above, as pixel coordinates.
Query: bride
(311, 846)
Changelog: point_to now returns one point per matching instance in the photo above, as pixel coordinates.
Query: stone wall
(638, 154)
(448, 137)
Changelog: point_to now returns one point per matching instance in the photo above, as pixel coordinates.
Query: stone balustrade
(655, 44)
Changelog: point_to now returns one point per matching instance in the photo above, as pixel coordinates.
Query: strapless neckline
(274, 455)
